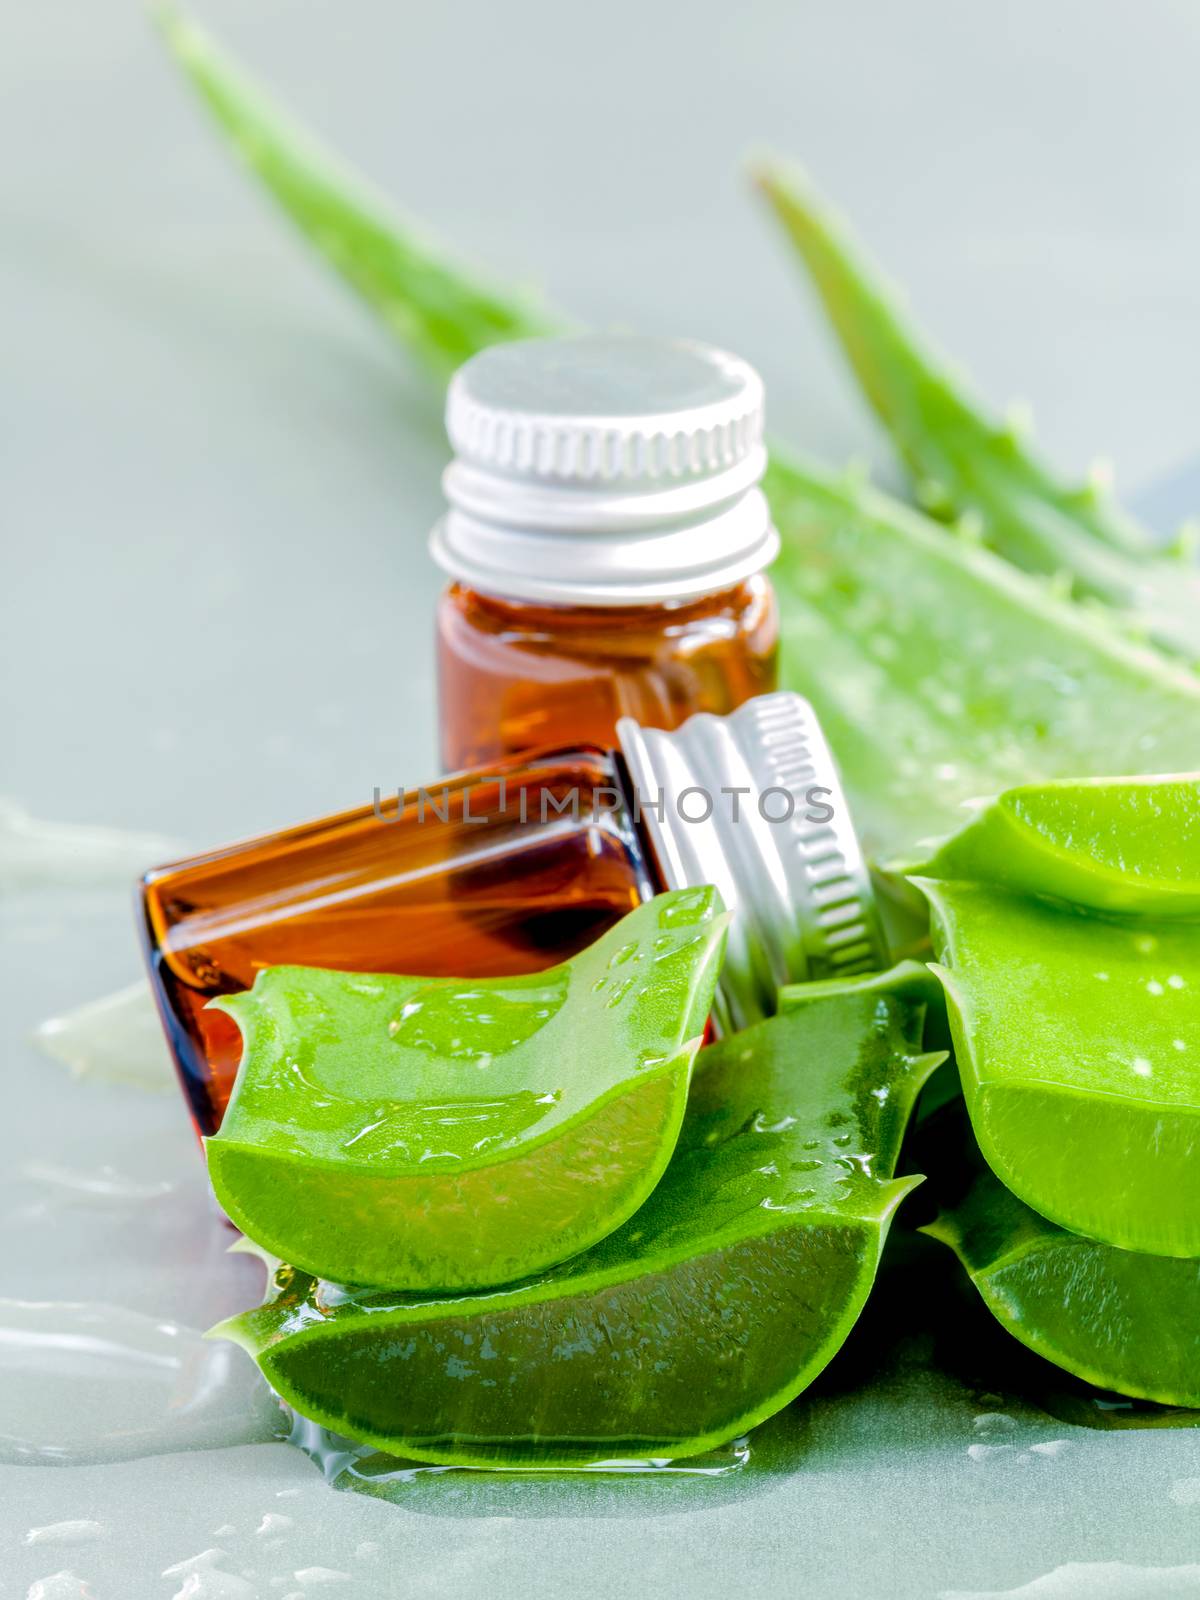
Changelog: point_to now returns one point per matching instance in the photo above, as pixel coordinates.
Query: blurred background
(218, 473)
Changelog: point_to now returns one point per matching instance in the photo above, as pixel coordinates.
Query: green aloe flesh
(442, 312)
(940, 674)
(966, 466)
(716, 1304)
(421, 1133)
(1116, 1318)
(1129, 845)
(1067, 921)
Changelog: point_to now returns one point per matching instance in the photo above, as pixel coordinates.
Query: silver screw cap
(783, 853)
(604, 470)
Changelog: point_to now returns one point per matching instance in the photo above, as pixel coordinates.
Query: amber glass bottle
(413, 884)
(605, 540)
(514, 676)
(517, 867)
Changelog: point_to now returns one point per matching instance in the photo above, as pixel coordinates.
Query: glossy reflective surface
(84, 1383)
(445, 1133)
(243, 416)
(1116, 1318)
(714, 1305)
(930, 1412)
(941, 674)
(1072, 974)
(417, 883)
(514, 677)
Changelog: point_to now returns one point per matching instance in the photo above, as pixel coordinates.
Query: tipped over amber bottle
(514, 868)
(605, 539)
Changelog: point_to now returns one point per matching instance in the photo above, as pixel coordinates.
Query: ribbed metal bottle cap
(604, 470)
(784, 856)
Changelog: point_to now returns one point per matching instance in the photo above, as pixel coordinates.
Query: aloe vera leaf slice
(418, 1132)
(710, 1309)
(1077, 1029)
(1116, 1318)
(1123, 846)
(941, 673)
(441, 311)
(965, 464)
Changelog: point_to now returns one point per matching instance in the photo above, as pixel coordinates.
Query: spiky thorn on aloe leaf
(440, 311)
(967, 468)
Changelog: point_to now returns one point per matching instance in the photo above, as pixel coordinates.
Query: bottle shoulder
(745, 606)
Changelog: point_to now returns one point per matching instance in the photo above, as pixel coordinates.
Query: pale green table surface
(216, 618)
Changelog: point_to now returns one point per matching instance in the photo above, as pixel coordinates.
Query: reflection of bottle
(514, 869)
(606, 539)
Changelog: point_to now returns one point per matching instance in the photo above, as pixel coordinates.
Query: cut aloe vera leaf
(441, 311)
(1076, 1021)
(940, 673)
(716, 1304)
(1121, 1320)
(964, 464)
(456, 1133)
(1130, 845)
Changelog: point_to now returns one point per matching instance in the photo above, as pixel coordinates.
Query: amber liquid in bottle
(515, 676)
(485, 875)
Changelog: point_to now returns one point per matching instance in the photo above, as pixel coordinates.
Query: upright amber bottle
(605, 539)
(515, 868)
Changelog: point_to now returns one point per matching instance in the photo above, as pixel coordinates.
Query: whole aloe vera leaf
(442, 312)
(1115, 1318)
(941, 673)
(715, 1305)
(1076, 1020)
(456, 1133)
(962, 462)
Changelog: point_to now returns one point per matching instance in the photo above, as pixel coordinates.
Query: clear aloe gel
(83, 1383)
(1066, 920)
(452, 1134)
(712, 1307)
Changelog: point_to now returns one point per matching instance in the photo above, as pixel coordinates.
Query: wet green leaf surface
(712, 1307)
(453, 1133)
(942, 674)
(1076, 1019)
(1124, 1321)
